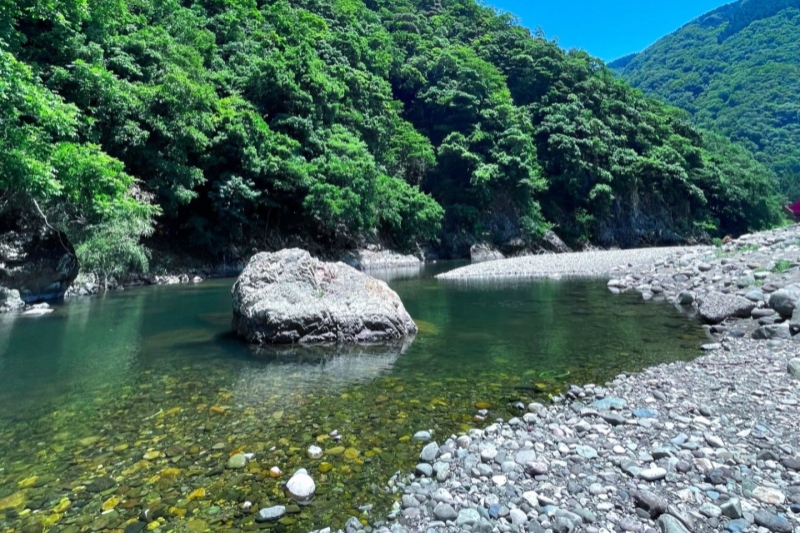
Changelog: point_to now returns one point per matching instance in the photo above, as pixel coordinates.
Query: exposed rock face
(715, 307)
(479, 253)
(290, 297)
(10, 300)
(553, 243)
(374, 258)
(35, 260)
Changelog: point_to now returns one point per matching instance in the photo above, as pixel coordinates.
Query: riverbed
(134, 401)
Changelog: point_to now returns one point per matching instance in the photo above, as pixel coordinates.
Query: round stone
(444, 512)
(301, 487)
(314, 452)
(237, 461)
(270, 514)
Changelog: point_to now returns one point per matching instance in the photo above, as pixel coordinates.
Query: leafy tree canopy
(737, 70)
(339, 119)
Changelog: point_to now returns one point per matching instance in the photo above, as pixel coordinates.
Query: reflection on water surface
(134, 401)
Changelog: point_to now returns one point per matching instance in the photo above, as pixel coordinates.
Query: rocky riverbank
(709, 445)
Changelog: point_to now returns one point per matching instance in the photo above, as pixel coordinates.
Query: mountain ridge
(736, 69)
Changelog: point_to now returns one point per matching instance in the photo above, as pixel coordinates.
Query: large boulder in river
(35, 260)
(290, 297)
(715, 307)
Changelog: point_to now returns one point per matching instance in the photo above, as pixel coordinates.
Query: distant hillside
(737, 69)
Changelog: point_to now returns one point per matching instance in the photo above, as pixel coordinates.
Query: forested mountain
(228, 124)
(737, 70)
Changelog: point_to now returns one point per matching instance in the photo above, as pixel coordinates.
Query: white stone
(301, 487)
(500, 480)
(314, 452)
(767, 495)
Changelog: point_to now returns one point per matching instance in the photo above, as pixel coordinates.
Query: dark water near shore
(148, 389)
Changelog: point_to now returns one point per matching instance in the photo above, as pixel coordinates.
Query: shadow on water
(102, 382)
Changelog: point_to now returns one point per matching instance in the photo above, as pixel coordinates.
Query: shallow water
(91, 390)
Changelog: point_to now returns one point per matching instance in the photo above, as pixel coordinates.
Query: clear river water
(134, 401)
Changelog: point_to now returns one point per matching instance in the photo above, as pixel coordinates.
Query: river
(135, 400)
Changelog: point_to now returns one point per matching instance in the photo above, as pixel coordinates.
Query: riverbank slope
(707, 445)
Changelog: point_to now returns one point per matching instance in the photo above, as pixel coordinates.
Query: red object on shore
(794, 208)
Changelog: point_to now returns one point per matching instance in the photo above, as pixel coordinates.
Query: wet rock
(100, 484)
(135, 527)
(301, 487)
(271, 514)
(289, 297)
(237, 461)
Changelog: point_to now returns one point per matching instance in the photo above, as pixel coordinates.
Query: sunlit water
(101, 383)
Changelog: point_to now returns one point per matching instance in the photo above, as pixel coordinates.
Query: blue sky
(607, 28)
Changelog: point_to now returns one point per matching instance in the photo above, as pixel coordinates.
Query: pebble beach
(707, 445)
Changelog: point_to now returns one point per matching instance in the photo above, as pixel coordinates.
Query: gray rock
(422, 436)
(773, 522)
(653, 474)
(772, 331)
(685, 298)
(467, 517)
(670, 524)
(290, 297)
(353, 525)
(794, 367)
(710, 510)
(523, 457)
(429, 452)
(732, 508)
(445, 512)
(784, 301)
(650, 502)
(271, 514)
(424, 469)
(587, 452)
(755, 296)
(518, 518)
(715, 307)
(484, 252)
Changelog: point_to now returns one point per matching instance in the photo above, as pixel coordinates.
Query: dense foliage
(338, 119)
(737, 70)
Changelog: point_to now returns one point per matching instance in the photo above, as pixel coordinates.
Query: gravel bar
(709, 445)
(595, 263)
